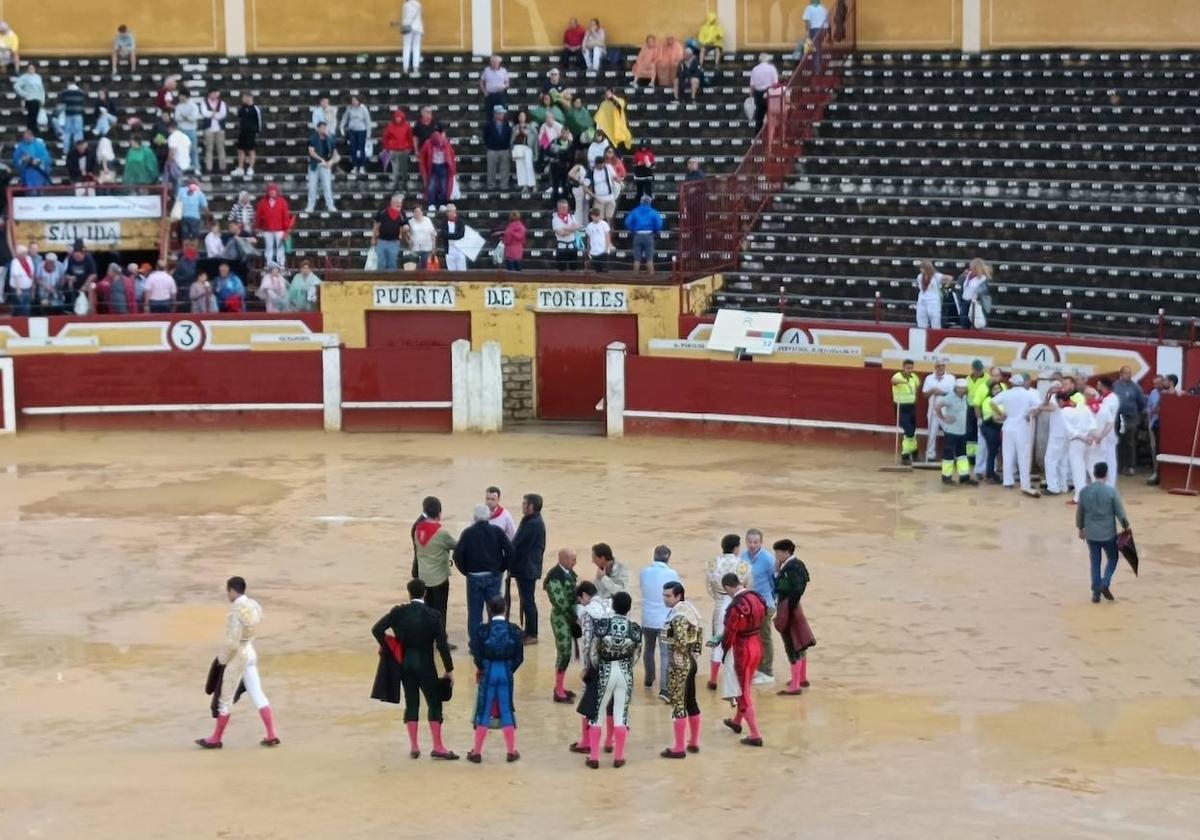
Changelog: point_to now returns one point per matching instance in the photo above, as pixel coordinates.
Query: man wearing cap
(904, 395)
(937, 384)
(497, 137)
(951, 410)
(643, 222)
(1018, 406)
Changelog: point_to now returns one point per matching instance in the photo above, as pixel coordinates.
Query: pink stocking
(268, 721)
(219, 731)
(510, 739)
(435, 729)
(752, 719)
(621, 733)
(694, 730)
(594, 742)
(559, 691)
(480, 734)
(680, 725)
(411, 726)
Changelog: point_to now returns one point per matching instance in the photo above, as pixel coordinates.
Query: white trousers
(1058, 466)
(1077, 457)
(456, 260)
(524, 167)
(1106, 451)
(929, 313)
(411, 58)
(242, 667)
(593, 57)
(935, 426)
(981, 452)
(608, 207)
(273, 246)
(616, 690)
(1017, 452)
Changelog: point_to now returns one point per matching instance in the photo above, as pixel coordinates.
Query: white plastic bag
(455, 193)
(177, 211)
(81, 304)
(372, 263)
(43, 118)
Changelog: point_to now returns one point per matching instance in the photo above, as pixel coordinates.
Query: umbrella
(1128, 550)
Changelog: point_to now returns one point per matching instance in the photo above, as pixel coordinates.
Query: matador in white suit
(727, 562)
(241, 664)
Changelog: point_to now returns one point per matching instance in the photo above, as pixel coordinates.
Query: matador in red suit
(743, 620)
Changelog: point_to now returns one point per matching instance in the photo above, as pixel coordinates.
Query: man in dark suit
(529, 546)
(418, 628)
(483, 555)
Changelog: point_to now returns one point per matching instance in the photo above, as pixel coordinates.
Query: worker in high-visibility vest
(952, 411)
(978, 390)
(905, 385)
(995, 377)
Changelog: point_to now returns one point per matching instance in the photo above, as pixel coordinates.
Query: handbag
(177, 211)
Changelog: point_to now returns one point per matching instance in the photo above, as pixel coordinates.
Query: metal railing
(716, 214)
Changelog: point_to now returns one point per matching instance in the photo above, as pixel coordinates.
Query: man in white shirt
(412, 27)
(179, 151)
(937, 384)
(493, 81)
(654, 616)
(763, 77)
(604, 187)
(1018, 405)
(929, 284)
(599, 239)
(566, 255)
(498, 516)
(1104, 440)
(816, 20)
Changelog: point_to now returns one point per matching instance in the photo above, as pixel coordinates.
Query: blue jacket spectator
(643, 218)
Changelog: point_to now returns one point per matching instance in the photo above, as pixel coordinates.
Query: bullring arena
(963, 684)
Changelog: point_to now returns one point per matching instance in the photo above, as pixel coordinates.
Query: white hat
(960, 383)
(1017, 379)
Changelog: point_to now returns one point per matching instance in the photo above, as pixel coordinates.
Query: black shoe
(595, 765)
(1095, 597)
(906, 460)
(648, 683)
(207, 744)
(474, 757)
(1107, 593)
(947, 480)
(736, 727)
(970, 482)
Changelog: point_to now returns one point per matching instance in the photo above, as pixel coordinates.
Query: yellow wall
(539, 24)
(351, 25)
(911, 24)
(344, 307)
(1090, 23)
(71, 26)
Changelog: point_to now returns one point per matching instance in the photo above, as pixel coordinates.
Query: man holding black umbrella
(1095, 517)
(529, 547)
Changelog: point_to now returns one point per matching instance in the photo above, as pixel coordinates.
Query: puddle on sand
(221, 493)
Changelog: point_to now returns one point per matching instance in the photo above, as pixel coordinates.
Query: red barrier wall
(1178, 416)
(407, 375)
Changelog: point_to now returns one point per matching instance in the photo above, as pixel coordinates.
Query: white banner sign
(83, 208)
(92, 233)
(415, 297)
(582, 300)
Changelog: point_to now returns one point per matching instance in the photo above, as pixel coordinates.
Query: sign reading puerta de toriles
(546, 299)
(108, 222)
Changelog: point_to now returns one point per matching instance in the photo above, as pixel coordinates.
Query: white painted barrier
(614, 390)
(477, 387)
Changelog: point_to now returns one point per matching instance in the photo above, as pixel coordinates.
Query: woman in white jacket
(272, 290)
(412, 27)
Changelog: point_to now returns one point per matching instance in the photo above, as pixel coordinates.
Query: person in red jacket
(514, 242)
(273, 221)
(398, 145)
(573, 44)
(437, 169)
(743, 620)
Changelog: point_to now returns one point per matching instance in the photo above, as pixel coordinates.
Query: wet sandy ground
(963, 685)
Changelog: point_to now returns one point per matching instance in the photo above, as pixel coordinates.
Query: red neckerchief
(393, 214)
(26, 264)
(1094, 405)
(499, 511)
(426, 528)
(925, 281)
(564, 216)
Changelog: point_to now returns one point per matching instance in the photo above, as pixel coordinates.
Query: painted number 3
(186, 335)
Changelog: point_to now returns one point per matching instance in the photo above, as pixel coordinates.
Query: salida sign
(92, 233)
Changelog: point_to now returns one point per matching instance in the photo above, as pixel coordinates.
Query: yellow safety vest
(904, 388)
(986, 409)
(977, 390)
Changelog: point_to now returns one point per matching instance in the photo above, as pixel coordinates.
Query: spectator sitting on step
(106, 112)
(239, 249)
(545, 109)
(424, 128)
(514, 242)
(194, 205)
(166, 97)
(595, 44)
(693, 172)
(302, 291)
(201, 295)
(230, 290)
(610, 117)
(250, 125)
(124, 49)
(323, 112)
(31, 161)
(578, 118)
(711, 38)
(273, 290)
(689, 78)
(438, 170)
(141, 166)
(356, 127)
(552, 84)
(572, 52)
(645, 66)
(274, 221)
(82, 166)
(214, 245)
(160, 290)
(242, 212)
(493, 82)
(669, 56)
(10, 49)
(398, 148)
(550, 131)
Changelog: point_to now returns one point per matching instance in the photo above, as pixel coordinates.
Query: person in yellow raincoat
(711, 37)
(610, 117)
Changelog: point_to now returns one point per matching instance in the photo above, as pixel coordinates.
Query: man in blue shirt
(643, 222)
(762, 576)
(1153, 401)
(654, 615)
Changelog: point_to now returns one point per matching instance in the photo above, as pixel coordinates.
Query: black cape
(212, 685)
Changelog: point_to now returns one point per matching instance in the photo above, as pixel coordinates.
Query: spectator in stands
(10, 49)
(412, 29)
(577, 179)
(545, 109)
(250, 125)
(31, 161)
(669, 56)
(356, 127)
(524, 151)
(644, 164)
(322, 156)
(187, 119)
(230, 291)
(194, 206)
(451, 232)
(397, 148)
(599, 241)
(572, 52)
(80, 272)
(493, 82)
(605, 188)
(763, 77)
(930, 283)
(214, 112)
(645, 66)
(141, 166)
(514, 242)
(610, 118)
(160, 291)
(72, 102)
(21, 276)
(201, 295)
(644, 222)
(273, 221)
(185, 268)
(179, 158)
(1131, 407)
(497, 138)
(1173, 385)
(82, 166)
(323, 112)
(32, 91)
(106, 111)
(390, 225)
(598, 146)
(438, 170)
(552, 84)
(106, 161)
(566, 244)
(711, 38)
(113, 278)
(273, 290)
(239, 247)
(50, 289)
(975, 294)
(1153, 404)
(618, 166)
(689, 78)
(167, 96)
(816, 21)
(595, 44)
(242, 211)
(421, 236)
(302, 291)
(560, 156)
(424, 128)
(214, 245)
(550, 131)
(578, 118)
(124, 48)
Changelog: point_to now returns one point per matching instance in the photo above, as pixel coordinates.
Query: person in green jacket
(546, 105)
(432, 545)
(578, 118)
(141, 166)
